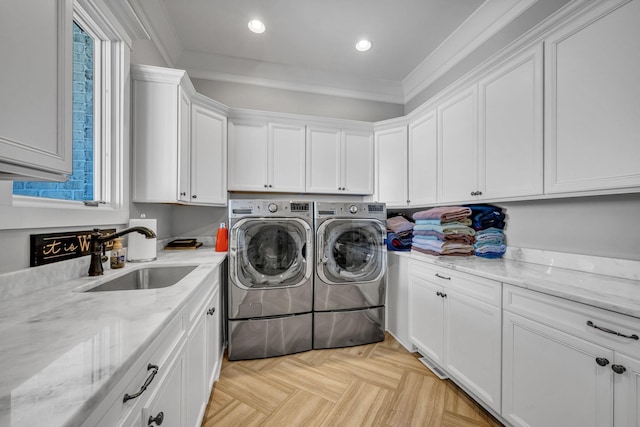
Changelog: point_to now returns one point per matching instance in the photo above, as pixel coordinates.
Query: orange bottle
(222, 238)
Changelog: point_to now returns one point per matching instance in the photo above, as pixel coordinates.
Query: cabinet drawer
(196, 304)
(575, 318)
(482, 289)
(158, 354)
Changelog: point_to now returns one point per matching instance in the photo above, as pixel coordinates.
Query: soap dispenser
(222, 238)
(118, 257)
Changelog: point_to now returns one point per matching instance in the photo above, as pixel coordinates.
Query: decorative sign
(54, 247)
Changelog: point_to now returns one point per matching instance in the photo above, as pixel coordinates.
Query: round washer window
(272, 250)
(352, 250)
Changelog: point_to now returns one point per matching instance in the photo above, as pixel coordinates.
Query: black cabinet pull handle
(618, 369)
(443, 277)
(150, 367)
(441, 294)
(158, 419)
(211, 311)
(602, 361)
(610, 331)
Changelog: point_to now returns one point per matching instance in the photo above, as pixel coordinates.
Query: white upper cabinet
(286, 157)
(179, 140)
(323, 160)
(339, 161)
(208, 154)
(510, 125)
(266, 156)
(391, 161)
(247, 161)
(592, 102)
(490, 134)
(35, 89)
(458, 147)
(423, 160)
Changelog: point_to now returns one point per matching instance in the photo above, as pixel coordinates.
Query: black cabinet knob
(618, 369)
(211, 311)
(602, 361)
(194, 196)
(158, 419)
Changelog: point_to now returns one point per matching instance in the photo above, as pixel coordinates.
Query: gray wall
(601, 226)
(288, 101)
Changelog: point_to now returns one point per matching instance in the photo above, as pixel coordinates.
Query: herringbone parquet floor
(379, 384)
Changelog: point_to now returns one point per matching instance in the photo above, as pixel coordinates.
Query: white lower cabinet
(214, 338)
(170, 383)
(552, 378)
(627, 396)
(565, 364)
(455, 321)
(166, 406)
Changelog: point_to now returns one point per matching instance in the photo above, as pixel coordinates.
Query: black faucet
(97, 242)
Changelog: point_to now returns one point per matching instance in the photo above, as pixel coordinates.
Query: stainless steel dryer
(350, 276)
(270, 290)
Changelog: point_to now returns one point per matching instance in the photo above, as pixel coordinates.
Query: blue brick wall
(79, 185)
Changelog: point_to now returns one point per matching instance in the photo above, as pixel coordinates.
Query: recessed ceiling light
(363, 45)
(256, 26)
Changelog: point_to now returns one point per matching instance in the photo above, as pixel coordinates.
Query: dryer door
(270, 253)
(351, 250)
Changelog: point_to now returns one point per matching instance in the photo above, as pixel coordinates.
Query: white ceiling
(309, 45)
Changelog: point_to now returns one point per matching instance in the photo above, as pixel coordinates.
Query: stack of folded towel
(443, 231)
(488, 221)
(399, 233)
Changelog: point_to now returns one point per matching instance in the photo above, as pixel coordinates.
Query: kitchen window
(95, 192)
(80, 184)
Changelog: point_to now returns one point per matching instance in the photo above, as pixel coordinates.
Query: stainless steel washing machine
(270, 287)
(350, 274)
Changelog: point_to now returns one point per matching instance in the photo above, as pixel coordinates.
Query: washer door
(270, 252)
(351, 250)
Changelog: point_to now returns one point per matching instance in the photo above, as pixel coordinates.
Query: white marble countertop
(62, 350)
(621, 295)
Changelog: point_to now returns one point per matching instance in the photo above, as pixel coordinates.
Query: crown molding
(155, 20)
(486, 21)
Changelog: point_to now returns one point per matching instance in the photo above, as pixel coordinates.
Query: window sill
(28, 213)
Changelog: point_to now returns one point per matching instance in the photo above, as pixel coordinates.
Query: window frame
(111, 64)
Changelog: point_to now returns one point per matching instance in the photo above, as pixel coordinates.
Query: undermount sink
(145, 278)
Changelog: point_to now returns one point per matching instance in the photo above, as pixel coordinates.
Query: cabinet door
(357, 172)
(214, 339)
(473, 335)
(35, 89)
(426, 318)
(247, 163)
(196, 381)
(155, 122)
(286, 158)
(184, 148)
(627, 392)
(423, 161)
(208, 157)
(397, 304)
(552, 379)
(592, 101)
(510, 145)
(391, 161)
(323, 160)
(458, 148)
(169, 399)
